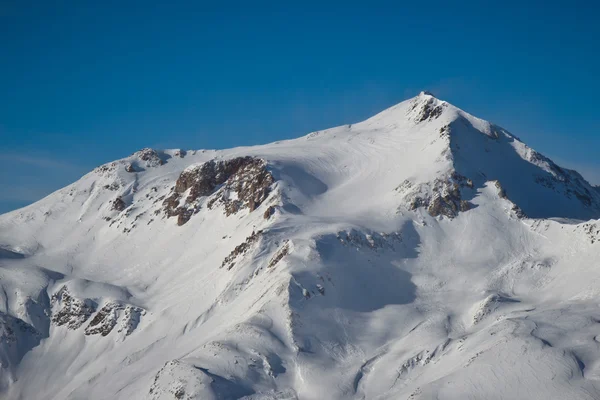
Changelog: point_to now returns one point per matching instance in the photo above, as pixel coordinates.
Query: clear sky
(86, 82)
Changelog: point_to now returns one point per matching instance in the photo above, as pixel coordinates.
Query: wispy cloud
(37, 161)
(28, 177)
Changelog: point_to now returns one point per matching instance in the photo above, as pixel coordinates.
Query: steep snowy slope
(423, 253)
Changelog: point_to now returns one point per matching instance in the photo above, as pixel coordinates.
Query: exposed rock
(150, 156)
(426, 110)
(107, 318)
(239, 183)
(269, 212)
(282, 252)
(440, 197)
(241, 249)
(131, 319)
(104, 321)
(106, 169)
(129, 168)
(180, 153)
(592, 230)
(502, 194)
(445, 200)
(373, 241)
(118, 204)
(501, 191)
(72, 312)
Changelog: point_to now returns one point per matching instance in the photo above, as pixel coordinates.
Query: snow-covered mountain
(423, 253)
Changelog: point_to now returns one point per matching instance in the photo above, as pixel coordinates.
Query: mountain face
(423, 253)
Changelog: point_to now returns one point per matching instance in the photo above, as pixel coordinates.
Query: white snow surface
(351, 290)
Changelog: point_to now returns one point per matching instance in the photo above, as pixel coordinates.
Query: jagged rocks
(131, 319)
(501, 191)
(241, 249)
(423, 110)
(104, 321)
(373, 241)
(118, 204)
(269, 212)
(245, 185)
(150, 157)
(440, 197)
(592, 231)
(112, 187)
(108, 317)
(278, 256)
(106, 169)
(72, 312)
(446, 200)
(129, 168)
(502, 194)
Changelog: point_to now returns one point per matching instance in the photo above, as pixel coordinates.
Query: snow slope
(423, 253)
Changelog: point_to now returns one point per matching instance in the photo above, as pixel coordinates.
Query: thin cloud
(37, 161)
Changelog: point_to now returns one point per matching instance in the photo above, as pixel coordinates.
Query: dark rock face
(238, 183)
(501, 191)
(108, 316)
(427, 110)
(118, 204)
(592, 230)
(241, 249)
(446, 200)
(278, 256)
(269, 212)
(150, 156)
(441, 197)
(104, 321)
(72, 312)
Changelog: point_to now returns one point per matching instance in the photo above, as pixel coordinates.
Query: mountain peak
(400, 244)
(426, 93)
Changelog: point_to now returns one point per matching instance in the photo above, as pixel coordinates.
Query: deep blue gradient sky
(86, 82)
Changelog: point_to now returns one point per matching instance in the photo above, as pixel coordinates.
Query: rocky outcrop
(150, 157)
(502, 194)
(278, 256)
(71, 311)
(441, 197)
(426, 109)
(236, 184)
(373, 241)
(269, 212)
(107, 318)
(118, 204)
(592, 231)
(241, 249)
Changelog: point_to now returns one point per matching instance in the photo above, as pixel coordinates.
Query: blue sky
(83, 82)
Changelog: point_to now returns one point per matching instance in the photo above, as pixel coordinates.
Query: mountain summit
(422, 253)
